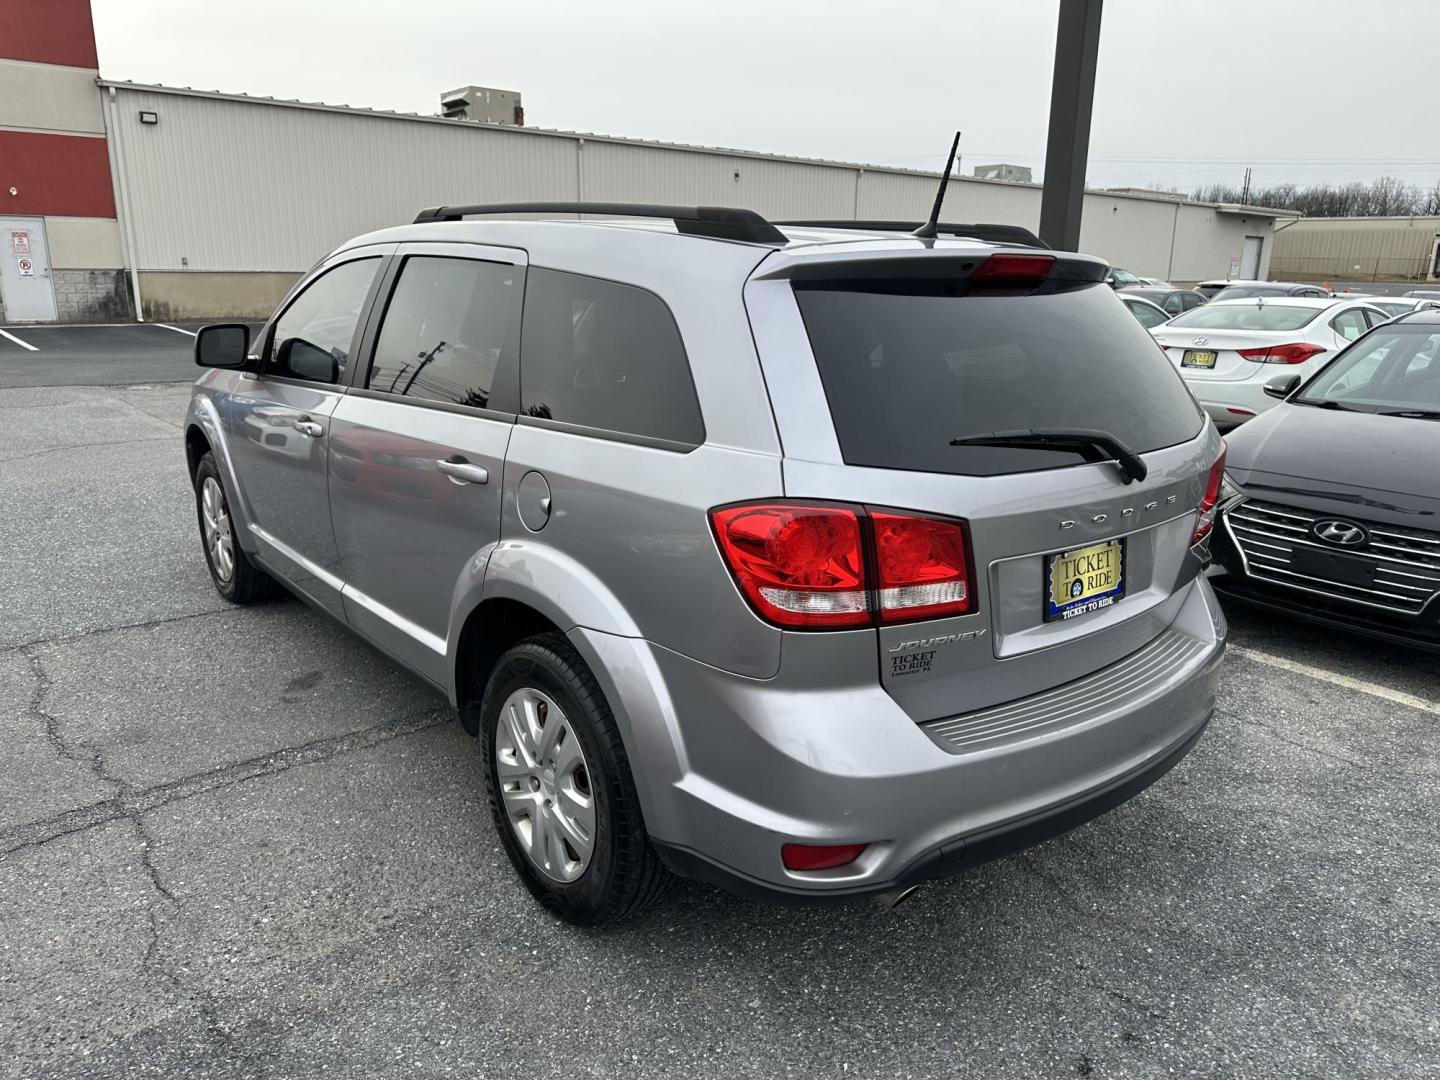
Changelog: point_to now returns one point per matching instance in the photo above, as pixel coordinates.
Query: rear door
(418, 446)
(278, 421)
(898, 368)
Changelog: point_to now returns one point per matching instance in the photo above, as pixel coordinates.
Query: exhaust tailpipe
(895, 897)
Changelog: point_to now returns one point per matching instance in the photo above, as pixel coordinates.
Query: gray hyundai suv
(810, 561)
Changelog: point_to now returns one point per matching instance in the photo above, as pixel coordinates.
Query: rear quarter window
(908, 366)
(607, 357)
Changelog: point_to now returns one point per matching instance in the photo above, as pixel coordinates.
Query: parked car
(1153, 283)
(1148, 313)
(1226, 350)
(1173, 300)
(1208, 289)
(1424, 294)
(673, 515)
(1249, 290)
(1401, 305)
(1335, 512)
(1120, 278)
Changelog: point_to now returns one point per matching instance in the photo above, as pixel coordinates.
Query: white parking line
(177, 329)
(22, 344)
(1373, 689)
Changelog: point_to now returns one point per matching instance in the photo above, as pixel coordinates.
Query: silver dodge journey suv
(813, 561)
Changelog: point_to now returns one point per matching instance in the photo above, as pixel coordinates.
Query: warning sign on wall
(20, 242)
(27, 267)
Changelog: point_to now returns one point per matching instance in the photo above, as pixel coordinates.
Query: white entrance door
(1250, 258)
(25, 287)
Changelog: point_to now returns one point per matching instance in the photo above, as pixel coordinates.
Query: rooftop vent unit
(484, 105)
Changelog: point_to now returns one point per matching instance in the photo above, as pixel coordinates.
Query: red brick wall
(55, 174)
(48, 32)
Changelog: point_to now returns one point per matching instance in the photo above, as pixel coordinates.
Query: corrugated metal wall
(1358, 247)
(257, 185)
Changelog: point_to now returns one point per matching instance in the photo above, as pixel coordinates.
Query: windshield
(1246, 317)
(1395, 368)
(908, 366)
(1244, 292)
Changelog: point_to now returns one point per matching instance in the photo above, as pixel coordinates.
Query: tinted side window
(444, 330)
(312, 338)
(1375, 318)
(1175, 303)
(606, 356)
(1193, 300)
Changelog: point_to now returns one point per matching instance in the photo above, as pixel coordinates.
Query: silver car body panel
(741, 736)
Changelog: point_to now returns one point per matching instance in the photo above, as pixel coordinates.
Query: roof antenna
(928, 230)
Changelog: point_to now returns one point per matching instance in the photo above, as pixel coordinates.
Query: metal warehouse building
(120, 200)
(1367, 249)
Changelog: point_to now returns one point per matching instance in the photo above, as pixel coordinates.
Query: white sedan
(1227, 350)
(1395, 306)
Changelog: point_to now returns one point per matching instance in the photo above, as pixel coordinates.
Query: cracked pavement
(240, 843)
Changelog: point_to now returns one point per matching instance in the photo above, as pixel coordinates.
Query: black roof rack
(715, 222)
(991, 234)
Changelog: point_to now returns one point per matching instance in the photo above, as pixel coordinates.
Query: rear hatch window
(909, 365)
(1247, 317)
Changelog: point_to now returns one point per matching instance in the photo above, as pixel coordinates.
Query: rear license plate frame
(1088, 602)
(1186, 360)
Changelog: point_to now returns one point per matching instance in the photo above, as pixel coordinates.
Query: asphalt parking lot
(238, 843)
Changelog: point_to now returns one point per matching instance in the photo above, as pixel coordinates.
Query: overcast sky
(1188, 91)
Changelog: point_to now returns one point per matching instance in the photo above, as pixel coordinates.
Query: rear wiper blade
(1414, 414)
(1041, 439)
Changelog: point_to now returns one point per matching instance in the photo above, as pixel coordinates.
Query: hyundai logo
(1341, 533)
(1201, 341)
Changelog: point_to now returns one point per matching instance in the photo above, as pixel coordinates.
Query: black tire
(246, 583)
(624, 875)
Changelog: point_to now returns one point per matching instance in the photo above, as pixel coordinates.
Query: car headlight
(1229, 489)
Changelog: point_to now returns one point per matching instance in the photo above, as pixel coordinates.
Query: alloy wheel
(219, 538)
(545, 785)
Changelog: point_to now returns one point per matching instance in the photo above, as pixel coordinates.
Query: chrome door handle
(461, 471)
(309, 427)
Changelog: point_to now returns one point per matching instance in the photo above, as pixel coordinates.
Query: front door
(418, 446)
(1250, 258)
(26, 292)
(278, 423)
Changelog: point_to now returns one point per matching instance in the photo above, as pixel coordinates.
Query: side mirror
(222, 345)
(302, 360)
(1282, 386)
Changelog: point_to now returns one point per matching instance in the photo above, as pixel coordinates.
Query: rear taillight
(798, 565)
(922, 565)
(1011, 272)
(817, 565)
(1211, 498)
(1295, 353)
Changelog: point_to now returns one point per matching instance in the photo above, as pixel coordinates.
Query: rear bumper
(1232, 403)
(953, 856)
(750, 765)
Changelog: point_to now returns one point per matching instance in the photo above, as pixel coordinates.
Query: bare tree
(1386, 196)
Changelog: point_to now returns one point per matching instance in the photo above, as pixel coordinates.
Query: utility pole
(1072, 98)
(1245, 190)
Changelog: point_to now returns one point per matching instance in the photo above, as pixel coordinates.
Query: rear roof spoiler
(990, 234)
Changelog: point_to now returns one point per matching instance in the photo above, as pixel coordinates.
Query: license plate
(1201, 358)
(1084, 580)
(1334, 566)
